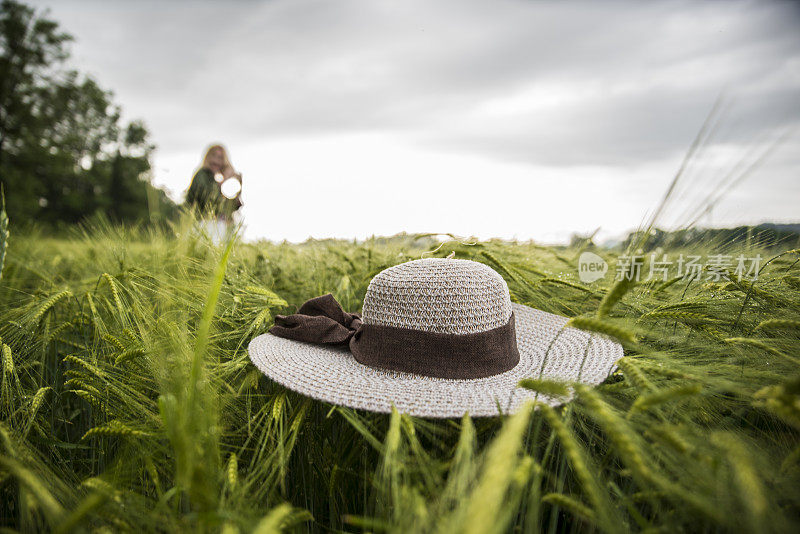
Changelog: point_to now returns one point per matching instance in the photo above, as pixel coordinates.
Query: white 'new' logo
(591, 267)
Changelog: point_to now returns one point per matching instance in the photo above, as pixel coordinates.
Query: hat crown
(441, 295)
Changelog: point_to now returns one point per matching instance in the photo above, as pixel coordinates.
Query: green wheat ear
(550, 388)
(634, 375)
(3, 230)
(592, 324)
(570, 504)
(614, 295)
(778, 324)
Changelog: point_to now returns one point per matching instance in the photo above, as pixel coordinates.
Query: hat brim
(547, 350)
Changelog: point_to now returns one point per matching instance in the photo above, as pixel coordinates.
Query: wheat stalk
(550, 388)
(232, 471)
(580, 466)
(662, 396)
(8, 361)
(4, 233)
(762, 344)
(592, 324)
(570, 504)
(48, 304)
(778, 324)
(614, 295)
(634, 375)
(114, 428)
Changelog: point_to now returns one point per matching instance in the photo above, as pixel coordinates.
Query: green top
(205, 194)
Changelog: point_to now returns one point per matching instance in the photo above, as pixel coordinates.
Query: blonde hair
(226, 161)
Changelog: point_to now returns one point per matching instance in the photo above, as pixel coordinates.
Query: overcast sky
(492, 118)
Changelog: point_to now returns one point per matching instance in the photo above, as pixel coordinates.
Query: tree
(63, 153)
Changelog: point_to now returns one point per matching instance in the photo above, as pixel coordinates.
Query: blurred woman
(215, 192)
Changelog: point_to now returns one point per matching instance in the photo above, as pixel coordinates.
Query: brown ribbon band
(456, 356)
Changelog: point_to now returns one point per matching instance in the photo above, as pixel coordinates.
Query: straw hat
(437, 337)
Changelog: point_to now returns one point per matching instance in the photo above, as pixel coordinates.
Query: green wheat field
(128, 402)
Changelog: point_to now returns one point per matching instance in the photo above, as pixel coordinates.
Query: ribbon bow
(319, 320)
(322, 320)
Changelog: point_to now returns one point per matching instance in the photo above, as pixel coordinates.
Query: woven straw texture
(547, 350)
(446, 296)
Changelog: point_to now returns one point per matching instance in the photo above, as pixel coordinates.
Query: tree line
(65, 153)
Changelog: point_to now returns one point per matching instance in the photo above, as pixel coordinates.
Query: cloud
(614, 85)
(574, 85)
(299, 67)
